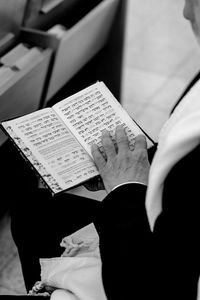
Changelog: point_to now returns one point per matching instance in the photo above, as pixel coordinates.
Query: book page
(52, 149)
(92, 110)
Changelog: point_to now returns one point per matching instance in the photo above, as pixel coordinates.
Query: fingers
(98, 157)
(140, 142)
(122, 140)
(108, 145)
(122, 144)
(109, 149)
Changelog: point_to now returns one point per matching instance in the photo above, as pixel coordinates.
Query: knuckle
(122, 140)
(95, 152)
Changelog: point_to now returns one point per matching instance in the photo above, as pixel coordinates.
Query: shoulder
(188, 162)
(184, 169)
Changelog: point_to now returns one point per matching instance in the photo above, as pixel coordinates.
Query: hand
(121, 165)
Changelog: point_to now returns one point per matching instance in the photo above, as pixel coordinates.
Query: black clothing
(139, 264)
(159, 265)
(136, 263)
(40, 221)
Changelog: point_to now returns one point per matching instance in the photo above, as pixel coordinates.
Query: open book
(57, 141)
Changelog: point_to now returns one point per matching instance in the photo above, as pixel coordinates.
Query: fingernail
(105, 132)
(94, 147)
(119, 127)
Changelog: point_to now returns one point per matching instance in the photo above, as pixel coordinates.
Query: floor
(161, 57)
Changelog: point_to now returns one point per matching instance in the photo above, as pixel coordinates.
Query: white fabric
(77, 274)
(179, 136)
(62, 295)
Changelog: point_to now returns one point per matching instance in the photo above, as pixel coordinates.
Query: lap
(39, 222)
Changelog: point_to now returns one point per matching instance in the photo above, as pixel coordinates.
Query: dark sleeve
(151, 152)
(139, 264)
(125, 243)
(177, 230)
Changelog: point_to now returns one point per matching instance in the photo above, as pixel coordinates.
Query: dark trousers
(39, 222)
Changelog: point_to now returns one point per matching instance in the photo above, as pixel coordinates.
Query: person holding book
(150, 228)
(149, 222)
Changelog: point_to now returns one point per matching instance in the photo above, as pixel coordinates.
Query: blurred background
(160, 58)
